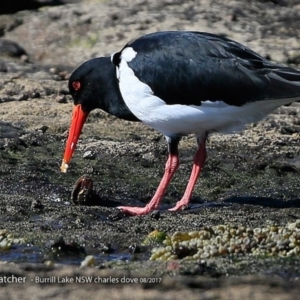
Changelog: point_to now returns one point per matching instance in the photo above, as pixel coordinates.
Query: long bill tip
(64, 167)
(78, 119)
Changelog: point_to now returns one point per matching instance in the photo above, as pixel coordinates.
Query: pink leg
(170, 169)
(199, 160)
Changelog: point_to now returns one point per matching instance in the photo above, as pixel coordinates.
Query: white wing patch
(186, 119)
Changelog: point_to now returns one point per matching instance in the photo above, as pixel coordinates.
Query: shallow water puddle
(26, 253)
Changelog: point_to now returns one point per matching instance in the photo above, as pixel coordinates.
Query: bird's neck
(113, 101)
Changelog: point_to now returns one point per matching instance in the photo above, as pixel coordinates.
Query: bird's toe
(135, 211)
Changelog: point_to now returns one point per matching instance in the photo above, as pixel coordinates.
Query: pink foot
(180, 205)
(135, 211)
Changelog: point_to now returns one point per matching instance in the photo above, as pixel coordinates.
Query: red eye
(76, 85)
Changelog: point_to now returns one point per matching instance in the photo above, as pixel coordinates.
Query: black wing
(190, 67)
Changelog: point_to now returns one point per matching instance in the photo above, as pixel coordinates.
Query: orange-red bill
(78, 120)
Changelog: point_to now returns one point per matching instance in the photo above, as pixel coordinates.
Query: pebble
(49, 263)
(89, 155)
(283, 241)
(89, 261)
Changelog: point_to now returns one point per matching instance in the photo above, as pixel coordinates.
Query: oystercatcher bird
(180, 83)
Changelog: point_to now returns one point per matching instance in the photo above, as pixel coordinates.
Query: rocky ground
(251, 179)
